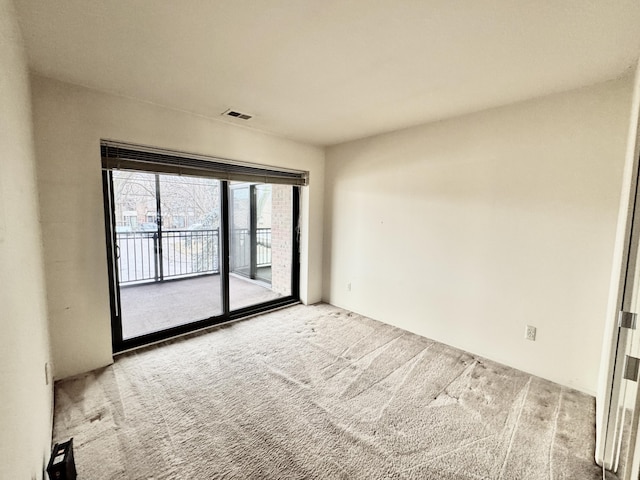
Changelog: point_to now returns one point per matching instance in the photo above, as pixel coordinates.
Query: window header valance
(123, 156)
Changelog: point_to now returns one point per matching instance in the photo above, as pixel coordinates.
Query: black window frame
(119, 344)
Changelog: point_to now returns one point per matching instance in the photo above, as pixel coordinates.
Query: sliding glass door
(261, 232)
(186, 252)
(167, 228)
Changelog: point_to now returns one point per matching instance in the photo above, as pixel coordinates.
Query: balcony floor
(152, 307)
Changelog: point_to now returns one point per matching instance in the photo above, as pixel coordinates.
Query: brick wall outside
(281, 238)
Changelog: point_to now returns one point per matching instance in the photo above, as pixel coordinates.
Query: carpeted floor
(318, 392)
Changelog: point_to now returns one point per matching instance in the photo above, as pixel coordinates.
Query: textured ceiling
(327, 71)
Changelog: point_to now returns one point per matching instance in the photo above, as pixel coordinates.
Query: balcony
(172, 277)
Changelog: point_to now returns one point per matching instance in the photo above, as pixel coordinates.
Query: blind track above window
(124, 156)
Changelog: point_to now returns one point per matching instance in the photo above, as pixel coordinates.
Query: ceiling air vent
(236, 114)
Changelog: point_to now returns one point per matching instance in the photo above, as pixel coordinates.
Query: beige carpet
(318, 392)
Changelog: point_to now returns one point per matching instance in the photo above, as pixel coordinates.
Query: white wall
(469, 229)
(69, 123)
(26, 399)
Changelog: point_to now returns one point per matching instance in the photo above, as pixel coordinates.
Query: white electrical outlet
(349, 287)
(530, 333)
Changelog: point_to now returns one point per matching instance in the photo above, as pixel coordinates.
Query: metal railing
(263, 249)
(241, 248)
(153, 256)
(150, 256)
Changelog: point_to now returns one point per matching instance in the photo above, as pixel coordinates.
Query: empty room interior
(320, 239)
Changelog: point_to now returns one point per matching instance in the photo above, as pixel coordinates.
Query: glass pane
(261, 243)
(169, 266)
(134, 195)
(240, 221)
(264, 233)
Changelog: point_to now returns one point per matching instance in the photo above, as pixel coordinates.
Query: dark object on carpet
(62, 465)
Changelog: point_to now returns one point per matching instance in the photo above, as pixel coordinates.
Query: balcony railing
(150, 256)
(241, 248)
